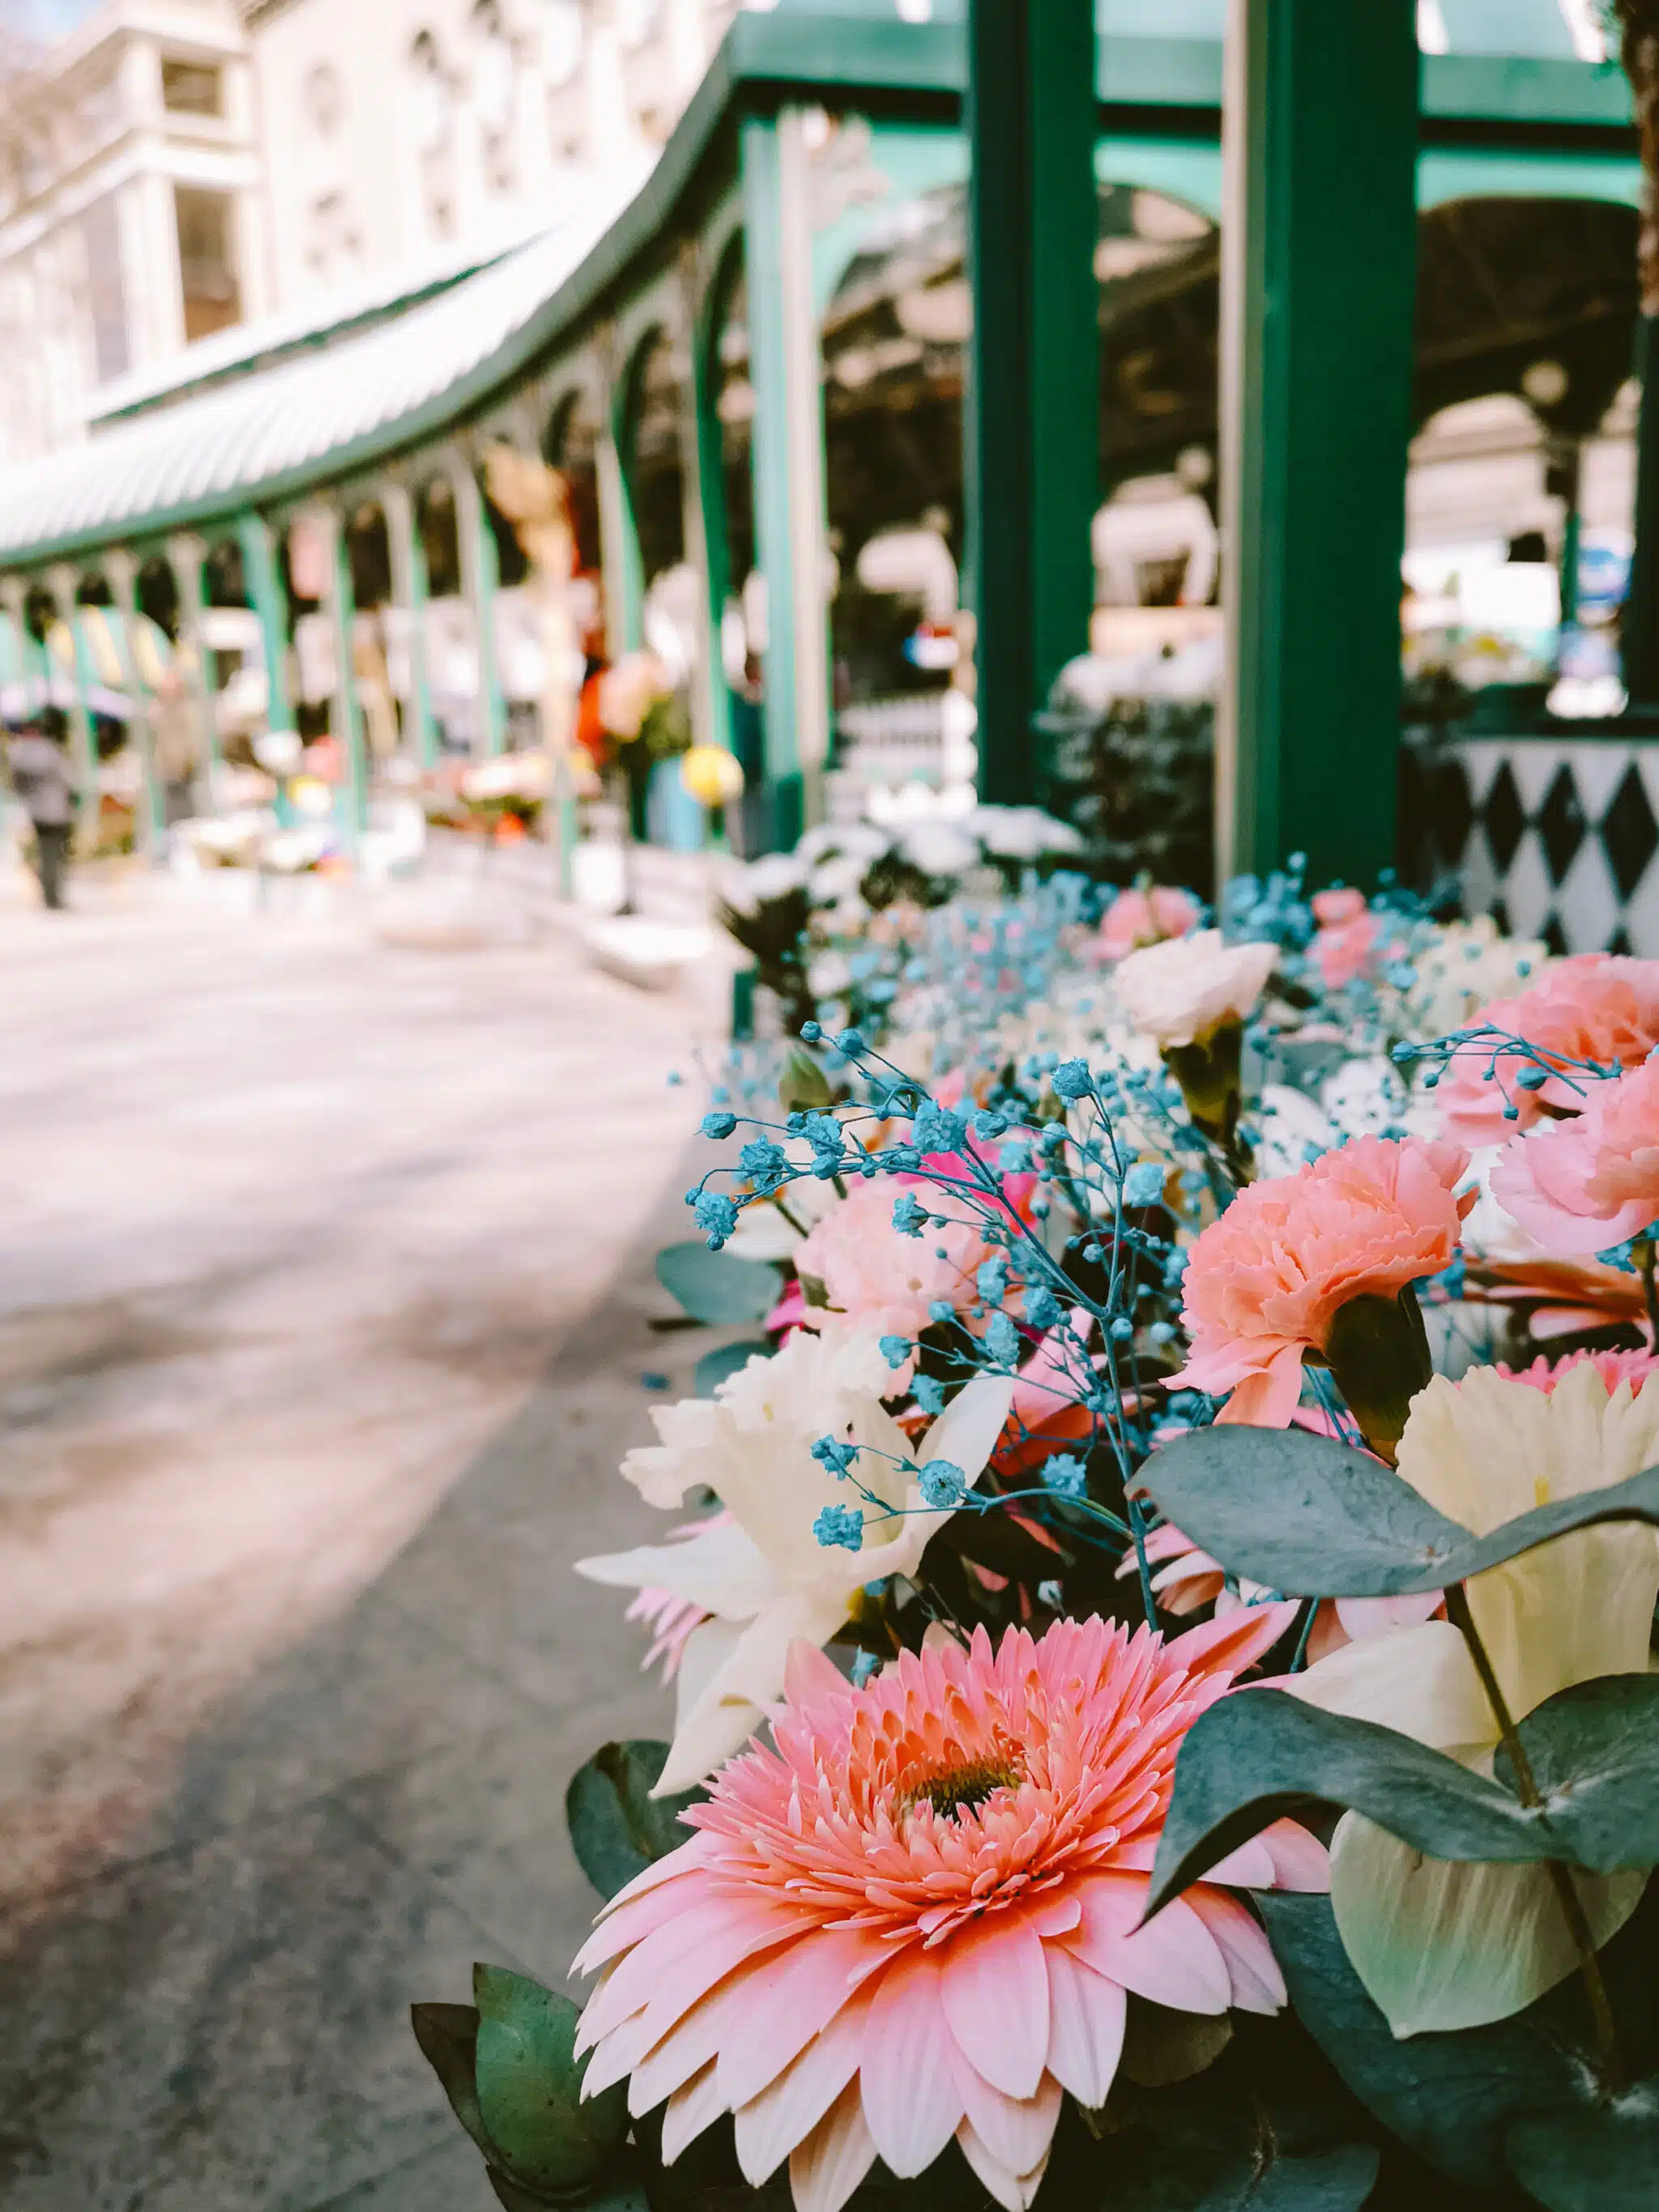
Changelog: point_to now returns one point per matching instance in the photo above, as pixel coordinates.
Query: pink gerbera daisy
(918, 1919)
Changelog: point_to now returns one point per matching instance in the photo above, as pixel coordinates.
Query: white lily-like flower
(1444, 1945)
(762, 1573)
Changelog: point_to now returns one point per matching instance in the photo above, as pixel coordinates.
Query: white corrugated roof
(254, 436)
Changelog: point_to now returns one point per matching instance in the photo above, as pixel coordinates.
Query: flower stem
(1613, 2075)
(1643, 1253)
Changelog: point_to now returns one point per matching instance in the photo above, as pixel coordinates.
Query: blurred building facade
(131, 213)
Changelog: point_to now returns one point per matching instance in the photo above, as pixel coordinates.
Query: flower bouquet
(1161, 1646)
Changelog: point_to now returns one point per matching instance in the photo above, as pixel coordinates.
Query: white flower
(1465, 966)
(1440, 1945)
(833, 880)
(763, 1574)
(855, 841)
(1182, 991)
(939, 848)
(747, 890)
(1022, 833)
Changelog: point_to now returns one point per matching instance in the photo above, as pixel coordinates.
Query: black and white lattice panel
(1564, 840)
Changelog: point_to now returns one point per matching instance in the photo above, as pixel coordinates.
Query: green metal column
(1318, 293)
(480, 581)
(1032, 466)
(62, 582)
(408, 592)
(1640, 623)
(345, 719)
(186, 556)
(263, 585)
(787, 456)
(703, 477)
(621, 566)
(122, 570)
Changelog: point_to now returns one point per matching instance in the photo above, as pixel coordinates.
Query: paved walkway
(322, 1321)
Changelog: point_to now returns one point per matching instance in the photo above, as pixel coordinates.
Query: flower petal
(911, 2102)
(689, 2111)
(828, 2166)
(1257, 1984)
(1419, 1680)
(770, 2126)
(1014, 2191)
(1174, 1959)
(1440, 1946)
(995, 1989)
(1086, 2016)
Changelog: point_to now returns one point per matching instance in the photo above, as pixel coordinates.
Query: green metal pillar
(263, 585)
(1640, 620)
(62, 582)
(1032, 466)
(345, 718)
(704, 479)
(408, 594)
(480, 581)
(1318, 293)
(622, 570)
(122, 571)
(186, 556)
(785, 364)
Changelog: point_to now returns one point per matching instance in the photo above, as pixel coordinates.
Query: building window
(106, 298)
(206, 261)
(193, 88)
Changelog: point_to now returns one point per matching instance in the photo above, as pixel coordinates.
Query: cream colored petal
(1570, 1611)
(728, 1701)
(966, 1432)
(1440, 1946)
(1419, 1680)
(719, 1568)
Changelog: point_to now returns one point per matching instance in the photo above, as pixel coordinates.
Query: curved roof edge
(282, 434)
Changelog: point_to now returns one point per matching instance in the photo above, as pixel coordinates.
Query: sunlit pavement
(323, 1324)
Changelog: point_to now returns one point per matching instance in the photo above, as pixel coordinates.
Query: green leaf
(718, 1286)
(802, 1087)
(1594, 1751)
(1448, 2097)
(448, 2037)
(1144, 2175)
(617, 1826)
(1253, 1758)
(619, 2189)
(1310, 1518)
(530, 2084)
(1601, 2158)
(715, 1366)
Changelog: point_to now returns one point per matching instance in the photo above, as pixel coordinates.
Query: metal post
(265, 588)
(1318, 289)
(345, 721)
(408, 592)
(787, 459)
(1640, 620)
(122, 571)
(480, 579)
(62, 581)
(186, 556)
(705, 507)
(1033, 443)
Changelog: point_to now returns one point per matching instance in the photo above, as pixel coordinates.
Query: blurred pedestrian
(41, 776)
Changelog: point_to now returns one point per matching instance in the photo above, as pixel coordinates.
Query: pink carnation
(1584, 1184)
(1266, 1280)
(1599, 1006)
(1146, 917)
(919, 1918)
(886, 1281)
(1351, 939)
(1613, 1368)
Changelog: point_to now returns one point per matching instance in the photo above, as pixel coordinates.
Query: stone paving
(324, 1318)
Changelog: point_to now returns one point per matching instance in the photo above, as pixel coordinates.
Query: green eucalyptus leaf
(448, 2037)
(620, 2188)
(617, 1828)
(1310, 1518)
(718, 1286)
(1253, 1758)
(715, 1366)
(802, 1087)
(1449, 2097)
(1594, 1752)
(1601, 2158)
(529, 2079)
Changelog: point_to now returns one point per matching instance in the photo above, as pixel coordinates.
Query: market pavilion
(911, 299)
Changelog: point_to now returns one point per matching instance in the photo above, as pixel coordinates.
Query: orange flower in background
(919, 1918)
(1266, 1280)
